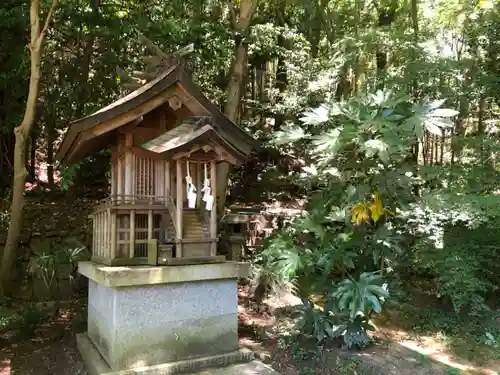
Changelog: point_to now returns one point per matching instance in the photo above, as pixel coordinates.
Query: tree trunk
(33, 157)
(357, 61)
(51, 137)
(86, 62)
(386, 17)
(481, 127)
(236, 87)
(22, 133)
(414, 88)
(281, 72)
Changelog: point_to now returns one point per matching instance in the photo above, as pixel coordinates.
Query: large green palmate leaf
(316, 116)
(361, 296)
(378, 147)
(288, 135)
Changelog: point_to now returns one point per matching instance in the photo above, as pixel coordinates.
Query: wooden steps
(193, 227)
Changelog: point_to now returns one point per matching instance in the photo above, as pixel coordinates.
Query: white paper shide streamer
(191, 189)
(208, 198)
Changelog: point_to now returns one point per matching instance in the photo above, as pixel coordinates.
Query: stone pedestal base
(235, 363)
(142, 317)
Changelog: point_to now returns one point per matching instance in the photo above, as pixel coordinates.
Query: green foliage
(8, 318)
(356, 334)
(355, 136)
(455, 235)
(346, 312)
(355, 149)
(31, 319)
(316, 323)
(68, 175)
(361, 297)
(48, 266)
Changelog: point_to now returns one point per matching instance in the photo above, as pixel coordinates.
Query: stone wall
(46, 267)
(56, 234)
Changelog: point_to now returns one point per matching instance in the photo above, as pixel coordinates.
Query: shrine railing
(136, 229)
(120, 200)
(172, 208)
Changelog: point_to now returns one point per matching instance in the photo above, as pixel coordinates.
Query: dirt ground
(49, 348)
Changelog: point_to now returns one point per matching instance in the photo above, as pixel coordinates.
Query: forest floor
(409, 341)
(32, 343)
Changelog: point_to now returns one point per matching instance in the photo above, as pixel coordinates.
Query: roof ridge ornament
(155, 64)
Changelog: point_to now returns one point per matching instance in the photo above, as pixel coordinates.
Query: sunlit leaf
(436, 103)
(378, 147)
(288, 135)
(327, 142)
(351, 190)
(315, 116)
(444, 112)
(360, 213)
(378, 291)
(375, 303)
(433, 128)
(377, 208)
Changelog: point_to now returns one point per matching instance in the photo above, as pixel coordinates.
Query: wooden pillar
(113, 181)
(167, 195)
(94, 235)
(112, 216)
(160, 180)
(107, 247)
(99, 237)
(179, 209)
(119, 173)
(132, 234)
(199, 183)
(150, 224)
(213, 212)
(167, 180)
(129, 168)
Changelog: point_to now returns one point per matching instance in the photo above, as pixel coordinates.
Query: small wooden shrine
(166, 139)
(160, 299)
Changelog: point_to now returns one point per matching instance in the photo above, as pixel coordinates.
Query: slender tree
(22, 132)
(236, 88)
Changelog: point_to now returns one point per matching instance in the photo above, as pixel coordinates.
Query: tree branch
(35, 22)
(52, 9)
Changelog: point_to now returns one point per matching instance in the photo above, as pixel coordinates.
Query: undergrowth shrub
(360, 175)
(457, 245)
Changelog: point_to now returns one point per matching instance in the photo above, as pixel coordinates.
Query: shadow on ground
(44, 346)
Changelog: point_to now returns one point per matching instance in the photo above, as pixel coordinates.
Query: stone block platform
(250, 368)
(239, 362)
(164, 320)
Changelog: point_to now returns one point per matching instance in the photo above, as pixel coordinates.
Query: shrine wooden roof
(192, 135)
(99, 130)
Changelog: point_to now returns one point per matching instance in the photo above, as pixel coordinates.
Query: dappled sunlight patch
(433, 347)
(435, 352)
(5, 367)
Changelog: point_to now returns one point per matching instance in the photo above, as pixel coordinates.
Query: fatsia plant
(363, 296)
(347, 312)
(358, 300)
(360, 169)
(317, 323)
